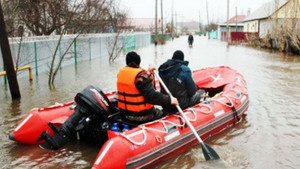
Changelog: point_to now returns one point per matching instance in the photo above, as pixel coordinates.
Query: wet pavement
(268, 137)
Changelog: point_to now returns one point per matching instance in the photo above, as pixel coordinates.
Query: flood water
(268, 137)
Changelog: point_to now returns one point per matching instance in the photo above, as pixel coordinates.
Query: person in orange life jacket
(178, 78)
(136, 93)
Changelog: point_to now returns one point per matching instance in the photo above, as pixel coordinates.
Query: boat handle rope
(195, 115)
(240, 81)
(135, 142)
(144, 128)
(237, 91)
(165, 129)
(178, 125)
(208, 106)
(243, 87)
(221, 102)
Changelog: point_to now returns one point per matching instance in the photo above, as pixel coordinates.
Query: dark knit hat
(178, 54)
(133, 57)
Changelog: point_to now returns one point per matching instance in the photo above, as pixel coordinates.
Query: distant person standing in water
(191, 40)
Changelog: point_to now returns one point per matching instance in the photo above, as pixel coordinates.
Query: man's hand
(151, 69)
(174, 101)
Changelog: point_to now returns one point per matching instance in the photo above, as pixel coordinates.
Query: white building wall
(251, 26)
(265, 28)
(275, 25)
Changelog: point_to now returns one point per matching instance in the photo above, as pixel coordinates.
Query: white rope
(221, 102)
(164, 130)
(208, 106)
(135, 142)
(179, 125)
(243, 87)
(144, 128)
(191, 110)
(195, 115)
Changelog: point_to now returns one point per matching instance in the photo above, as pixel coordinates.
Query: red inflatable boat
(148, 144)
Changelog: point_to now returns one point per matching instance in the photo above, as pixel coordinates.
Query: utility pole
(162, 23)
(207, 13)
(7, 59)
(228, 33)
(208, 26)
(155, 35)
(181, 24)
(176, 23)
(199, 24)
(172, 22)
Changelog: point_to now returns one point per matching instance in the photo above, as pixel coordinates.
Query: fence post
(35, 59)
(75, 50)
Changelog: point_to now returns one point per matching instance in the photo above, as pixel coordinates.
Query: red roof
(238, 17)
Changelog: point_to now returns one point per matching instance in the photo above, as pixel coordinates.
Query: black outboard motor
(92, 104)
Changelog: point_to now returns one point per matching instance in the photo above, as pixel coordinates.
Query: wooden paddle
(209, 153)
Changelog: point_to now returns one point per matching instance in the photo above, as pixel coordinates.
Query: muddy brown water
(268, 137)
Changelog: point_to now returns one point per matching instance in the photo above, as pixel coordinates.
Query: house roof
(237, 18)
(232, 21)
(265, 10)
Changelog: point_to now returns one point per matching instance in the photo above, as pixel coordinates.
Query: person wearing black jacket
(136, 93)
(178, 78)
(190, 40)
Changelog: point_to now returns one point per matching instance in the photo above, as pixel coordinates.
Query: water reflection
(15, 107)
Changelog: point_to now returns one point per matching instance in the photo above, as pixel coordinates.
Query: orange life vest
(129, 98)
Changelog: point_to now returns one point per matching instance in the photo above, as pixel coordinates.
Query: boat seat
(130, 123)
(117, 117)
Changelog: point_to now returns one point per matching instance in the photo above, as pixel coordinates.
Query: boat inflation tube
(92, 103)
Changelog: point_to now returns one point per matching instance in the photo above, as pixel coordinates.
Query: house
(235, 25)
(259, 20)
(148, 25)
(285, 18)
(188, 27)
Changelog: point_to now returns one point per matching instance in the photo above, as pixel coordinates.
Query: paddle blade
(209, 153)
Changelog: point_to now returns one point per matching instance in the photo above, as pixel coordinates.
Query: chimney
(248, 12)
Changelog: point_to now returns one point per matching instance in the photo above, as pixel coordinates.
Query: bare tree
(20, 34)
(118, 24)
(42, 17)
(45, 17)
(7, 59)
(89, 16)
(11, 17)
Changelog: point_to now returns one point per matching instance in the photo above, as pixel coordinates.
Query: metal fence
(38, 51)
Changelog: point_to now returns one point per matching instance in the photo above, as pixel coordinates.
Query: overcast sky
(188, 10)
